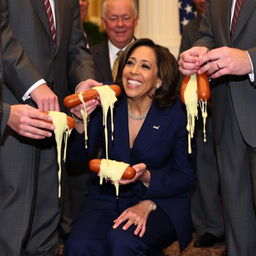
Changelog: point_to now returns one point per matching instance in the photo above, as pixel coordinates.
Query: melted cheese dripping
(109, 169)
(61, 130)
(113, 170)
(203, 107)
(107, 99)
(191, 102)
(84, 115)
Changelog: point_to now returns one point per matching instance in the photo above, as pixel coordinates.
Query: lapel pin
(156, 127)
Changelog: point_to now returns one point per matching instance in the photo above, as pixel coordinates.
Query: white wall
(159, 20)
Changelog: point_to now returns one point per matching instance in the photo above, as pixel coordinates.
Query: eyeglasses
(124, 19)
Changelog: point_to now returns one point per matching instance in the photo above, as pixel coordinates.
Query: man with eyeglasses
(119, 18)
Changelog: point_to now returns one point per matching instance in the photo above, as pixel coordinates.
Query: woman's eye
(129, 62)
(145, 66)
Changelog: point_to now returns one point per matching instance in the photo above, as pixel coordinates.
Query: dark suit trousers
(29, 212)
(206, 206)
(237, 162)
(92, 234)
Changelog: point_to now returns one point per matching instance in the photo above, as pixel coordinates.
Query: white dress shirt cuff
(33, 87)
(251, 75)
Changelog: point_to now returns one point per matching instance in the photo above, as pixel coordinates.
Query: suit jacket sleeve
(207, 34)
(81, 65)
(4, 116)
(206, 37)
(19, 71)
(185, 43)
(174, 178)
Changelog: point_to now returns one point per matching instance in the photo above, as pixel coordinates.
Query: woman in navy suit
(153, 209)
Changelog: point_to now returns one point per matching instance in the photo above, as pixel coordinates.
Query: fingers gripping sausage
(128, 174)
(73, 100)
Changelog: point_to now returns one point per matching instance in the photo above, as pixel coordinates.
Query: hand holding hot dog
(91, 104)
(142, 174)
(30, 122)
(225, 61)
(86, 85)
(189, 61)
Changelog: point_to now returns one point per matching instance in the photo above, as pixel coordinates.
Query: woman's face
(140, 73)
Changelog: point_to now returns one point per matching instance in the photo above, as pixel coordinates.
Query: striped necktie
(51, 20)
(116, 63)
(235, 16)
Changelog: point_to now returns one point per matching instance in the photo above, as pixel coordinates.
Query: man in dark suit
(120, 18)
(40, 70)
(205, 203)
(226, 50)
(24, 119)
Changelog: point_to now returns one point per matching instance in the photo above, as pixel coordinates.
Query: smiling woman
(152, 209)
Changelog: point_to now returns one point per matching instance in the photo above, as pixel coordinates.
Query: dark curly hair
(168, 71)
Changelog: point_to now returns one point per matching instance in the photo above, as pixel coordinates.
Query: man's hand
(45, 99)
(189, 61)
(86, 85)
(30, 122)
(225, 61)
(89, 105)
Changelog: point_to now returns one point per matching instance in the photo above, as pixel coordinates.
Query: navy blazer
(162, 145)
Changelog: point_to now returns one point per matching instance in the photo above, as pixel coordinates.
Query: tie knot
(116, 63)
(119, 53)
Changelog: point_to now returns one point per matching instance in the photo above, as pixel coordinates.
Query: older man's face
(120, 22)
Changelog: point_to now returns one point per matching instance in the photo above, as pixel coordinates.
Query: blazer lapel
(154, 126)
(225, 16)
(121, 133)
(40, 10)
(246, 11)
(59, 5)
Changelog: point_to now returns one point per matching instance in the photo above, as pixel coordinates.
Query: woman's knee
(125, 242)
(77, 246)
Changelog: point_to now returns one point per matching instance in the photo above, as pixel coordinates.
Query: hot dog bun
(73, 99)
(129, 173)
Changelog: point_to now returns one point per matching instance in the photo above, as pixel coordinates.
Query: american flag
(187, 12)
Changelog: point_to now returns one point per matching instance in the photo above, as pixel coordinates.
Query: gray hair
(133, 2)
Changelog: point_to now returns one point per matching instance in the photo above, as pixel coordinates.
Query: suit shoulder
(178, 111)
(98, 48)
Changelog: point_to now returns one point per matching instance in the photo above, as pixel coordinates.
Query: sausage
(73, 99)
(129, 173)
(70, 121)
(183, 86)
(203, 87)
